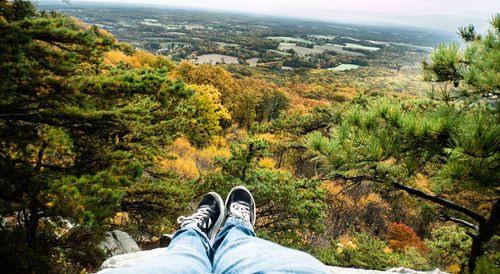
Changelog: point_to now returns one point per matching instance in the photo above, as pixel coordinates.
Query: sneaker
(208, 216)
(240, 204)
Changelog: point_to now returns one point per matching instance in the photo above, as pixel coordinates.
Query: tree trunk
(32, 227)
(486, 232)
(34, 205)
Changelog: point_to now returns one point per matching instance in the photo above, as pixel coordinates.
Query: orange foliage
(304, 105)
(401, 237)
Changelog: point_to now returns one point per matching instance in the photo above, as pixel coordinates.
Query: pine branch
(413, 191)
(440, 201)
(444, 217)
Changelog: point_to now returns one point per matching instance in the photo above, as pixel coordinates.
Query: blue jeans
(235, 250)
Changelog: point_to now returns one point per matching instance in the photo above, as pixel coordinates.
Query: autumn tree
(401, 236)
(208, 112)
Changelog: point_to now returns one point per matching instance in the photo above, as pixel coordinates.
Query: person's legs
(238, 250)
(189, 251)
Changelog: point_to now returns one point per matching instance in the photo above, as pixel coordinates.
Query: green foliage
(272, 104)
(412, 258)
(485, 265)
(468, 33)
(86, 123)
(369, 252)
(76, 135)
(153, 204)
(473, 70)
(490, 261)
(287, 208)
(449, 245)
(364, 138)
(455, 144)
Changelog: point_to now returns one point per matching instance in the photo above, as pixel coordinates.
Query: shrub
(449, 246)
(401, 237)
(368, 252)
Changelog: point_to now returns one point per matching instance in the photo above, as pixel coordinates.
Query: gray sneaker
(240, 204)
(208, 216)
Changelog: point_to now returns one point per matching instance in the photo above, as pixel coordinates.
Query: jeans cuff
(238, 221)
(197, 229)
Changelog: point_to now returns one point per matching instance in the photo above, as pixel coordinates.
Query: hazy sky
(436, 14)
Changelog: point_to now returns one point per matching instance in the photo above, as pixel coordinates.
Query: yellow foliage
(114, 57)
(209, 112)
(78, 23)
(189, 161)
(103, 33)
(454, 268)
(374, 198)
(206, 74)
(269, 137)
(219, 141)
(181, 147)
(267, 163)
(120, 218)
(422, 183)
(183, 69)
(140, 59)
(205, 158)
(235, 134)
(387, 250)
(184, 166)
(347, 242)
(331, 187)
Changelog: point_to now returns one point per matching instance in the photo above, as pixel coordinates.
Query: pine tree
(453, 140)
(77, 135)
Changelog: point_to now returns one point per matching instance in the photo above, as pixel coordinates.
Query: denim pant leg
(238, 250)
(189, 252)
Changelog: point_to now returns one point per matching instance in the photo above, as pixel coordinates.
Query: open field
(218, 38)
(216, 58)
(344, 67)
(318, 49)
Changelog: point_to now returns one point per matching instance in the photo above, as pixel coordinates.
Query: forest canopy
(98, 135)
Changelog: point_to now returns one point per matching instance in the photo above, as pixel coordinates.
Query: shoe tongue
(213, 210)
(243, 203)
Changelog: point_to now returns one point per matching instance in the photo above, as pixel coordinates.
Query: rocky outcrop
(118, 242)
(138, 257)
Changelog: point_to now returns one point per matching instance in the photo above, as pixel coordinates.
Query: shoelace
(197, 217)
(241, 211)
